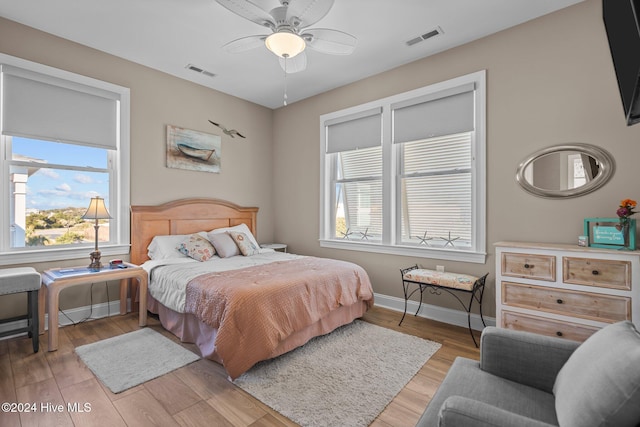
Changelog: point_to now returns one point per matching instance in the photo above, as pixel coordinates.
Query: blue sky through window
(54, 187)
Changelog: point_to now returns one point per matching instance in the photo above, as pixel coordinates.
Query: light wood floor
(196, 395)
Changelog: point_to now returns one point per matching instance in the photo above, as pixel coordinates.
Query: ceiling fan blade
(245, 43)
(248, 10)
(307, 12)
(294, 65)
(329, 41)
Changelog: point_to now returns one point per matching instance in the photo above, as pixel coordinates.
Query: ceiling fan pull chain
(285, 79)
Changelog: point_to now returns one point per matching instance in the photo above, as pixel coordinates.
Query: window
(406, 174)
(64, 139)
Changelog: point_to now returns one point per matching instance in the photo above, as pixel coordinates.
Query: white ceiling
(169, 34)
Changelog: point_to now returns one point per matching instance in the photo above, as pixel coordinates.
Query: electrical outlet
(440, 268)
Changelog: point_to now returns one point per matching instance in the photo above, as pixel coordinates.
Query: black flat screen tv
(621, 24)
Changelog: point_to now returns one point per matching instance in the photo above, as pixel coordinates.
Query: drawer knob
(595, 272)
(559, 333)
(559, 301)
(528, 266)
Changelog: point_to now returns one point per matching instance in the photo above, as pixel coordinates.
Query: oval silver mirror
(569, 170)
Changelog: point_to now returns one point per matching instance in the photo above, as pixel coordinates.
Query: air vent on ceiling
(425, 36)
(199, 70)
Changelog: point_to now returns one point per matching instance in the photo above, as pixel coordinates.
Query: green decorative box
(608, 233)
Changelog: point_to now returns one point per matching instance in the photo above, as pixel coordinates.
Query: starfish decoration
(346, 234)
(365, 235)
(232, 133)
(449, 241)
(424, 239)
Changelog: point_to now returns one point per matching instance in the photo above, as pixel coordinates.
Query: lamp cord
(91, 307)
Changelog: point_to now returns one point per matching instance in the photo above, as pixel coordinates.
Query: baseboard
(96, 311)
(71, 316)
(428, 311)
(433, 312)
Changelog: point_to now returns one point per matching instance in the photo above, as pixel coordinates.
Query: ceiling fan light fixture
(285, 44)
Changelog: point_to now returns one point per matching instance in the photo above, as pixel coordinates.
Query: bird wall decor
(231, 132)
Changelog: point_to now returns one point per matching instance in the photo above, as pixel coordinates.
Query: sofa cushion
(460, 411)
(600, 383)
(524, 357)
(466, 379)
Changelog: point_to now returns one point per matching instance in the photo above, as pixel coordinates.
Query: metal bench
(437, 281)
(17, 280)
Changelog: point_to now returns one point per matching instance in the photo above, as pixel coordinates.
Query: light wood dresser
(565, 290)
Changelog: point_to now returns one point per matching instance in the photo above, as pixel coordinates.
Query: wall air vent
(425, 36)
(199, 70)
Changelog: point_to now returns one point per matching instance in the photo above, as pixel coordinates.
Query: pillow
(600, 382)
(241, 228)
(244, 244)
(196, 247)
(224, 244)
(164, 247)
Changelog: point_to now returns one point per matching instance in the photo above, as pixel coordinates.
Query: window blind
(436, 190)
(355, 131)
(360, 181)
(441, 113)
(48, 108)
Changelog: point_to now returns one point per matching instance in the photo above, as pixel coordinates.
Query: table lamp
(96, 210)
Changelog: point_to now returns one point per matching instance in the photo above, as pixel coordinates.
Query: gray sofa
(525, 379)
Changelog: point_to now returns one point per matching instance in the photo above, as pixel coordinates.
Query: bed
(239, 309)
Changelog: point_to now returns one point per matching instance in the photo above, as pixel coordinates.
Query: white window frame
(391, 208)
(119, 192)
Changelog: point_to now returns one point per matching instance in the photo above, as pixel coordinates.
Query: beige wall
(157, 100)
(549, 81)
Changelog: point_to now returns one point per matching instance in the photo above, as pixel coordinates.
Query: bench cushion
(463, 282)
(19, 279)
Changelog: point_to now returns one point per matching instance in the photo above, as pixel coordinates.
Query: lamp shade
(96, 209)
(285, 44)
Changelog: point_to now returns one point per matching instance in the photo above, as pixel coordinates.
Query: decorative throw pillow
(224, 244)
(242, 228)
(599, 385)
(245, 245)
(197, 247)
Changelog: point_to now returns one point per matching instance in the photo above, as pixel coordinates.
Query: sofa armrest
(464, 412)
(524, 357)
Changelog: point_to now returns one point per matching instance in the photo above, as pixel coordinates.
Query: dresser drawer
(535, 267)
(599, 307)
(597, 272)
(549, 327)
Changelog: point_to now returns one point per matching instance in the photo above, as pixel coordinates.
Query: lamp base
(95, 261)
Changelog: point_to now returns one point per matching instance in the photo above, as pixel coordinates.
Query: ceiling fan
(288, 21)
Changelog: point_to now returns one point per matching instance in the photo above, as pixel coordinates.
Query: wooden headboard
(184, 216)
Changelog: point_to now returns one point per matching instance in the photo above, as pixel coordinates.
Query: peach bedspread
(254, 309)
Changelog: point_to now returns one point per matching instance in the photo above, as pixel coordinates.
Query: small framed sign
(607, 233)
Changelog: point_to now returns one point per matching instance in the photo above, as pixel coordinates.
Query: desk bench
(437, 281)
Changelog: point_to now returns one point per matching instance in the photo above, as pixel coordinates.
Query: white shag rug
(345, 378)
(124, 361)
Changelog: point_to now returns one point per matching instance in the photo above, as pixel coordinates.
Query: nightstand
(57, 279)
(280, 247)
